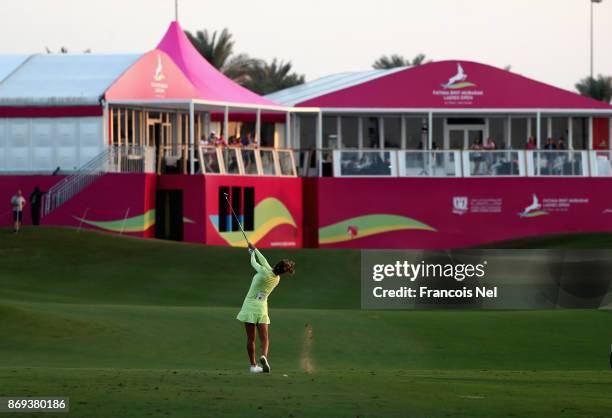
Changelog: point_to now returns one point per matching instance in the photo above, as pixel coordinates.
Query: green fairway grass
(139, 328)
(595, 240)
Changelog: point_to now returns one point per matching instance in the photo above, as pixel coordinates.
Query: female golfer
(254, 312)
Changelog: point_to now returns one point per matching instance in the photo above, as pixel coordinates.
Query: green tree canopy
(386, 62)
(255, 74)
(599, 88)
(268, 77)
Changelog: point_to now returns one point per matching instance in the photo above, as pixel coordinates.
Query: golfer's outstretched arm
(262, 259)
(258, 268)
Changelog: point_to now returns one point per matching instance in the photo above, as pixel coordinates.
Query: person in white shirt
(18, 202)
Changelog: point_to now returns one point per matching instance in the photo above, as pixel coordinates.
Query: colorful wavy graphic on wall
(269, 213)
(534, 214)
(459, 86)
(365, 226)
(138, 223)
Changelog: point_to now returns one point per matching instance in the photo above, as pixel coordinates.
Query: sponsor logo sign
(159, 88)
(458, 90)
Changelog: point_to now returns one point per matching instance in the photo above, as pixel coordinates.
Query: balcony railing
(429, 163)
(246, 161)
(481, 163)
(558, 163)
(255, 161)
(601, 163)
(453, 163)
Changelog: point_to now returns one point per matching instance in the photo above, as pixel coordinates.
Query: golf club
(236, 217)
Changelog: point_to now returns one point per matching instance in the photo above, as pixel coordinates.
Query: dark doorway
(169, 215)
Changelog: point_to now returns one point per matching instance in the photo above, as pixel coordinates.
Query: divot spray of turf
(307, 364)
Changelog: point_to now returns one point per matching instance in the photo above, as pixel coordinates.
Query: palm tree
(255, 74)
(216, 48)
(386, 62)
(599, 88)
(238, 68)
(265, 78)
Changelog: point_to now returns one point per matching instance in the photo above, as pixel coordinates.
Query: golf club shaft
(236, 217)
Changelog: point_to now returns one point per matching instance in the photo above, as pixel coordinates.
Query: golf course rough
(138, 328)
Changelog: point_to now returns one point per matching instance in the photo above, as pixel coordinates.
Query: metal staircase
(86, 175)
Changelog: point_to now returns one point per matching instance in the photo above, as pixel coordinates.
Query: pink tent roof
(209, 82)
(454, 85)
(176, 70)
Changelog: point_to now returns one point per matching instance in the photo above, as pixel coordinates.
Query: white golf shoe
(264, 364)
(255, 369)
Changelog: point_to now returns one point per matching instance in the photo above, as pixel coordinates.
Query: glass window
(350, 132)
(580, 133)
(497, 131)
(438, 133)
(494, 163)
(365, 163)
(393, 132)
(330, 132)
(371, 133)
(308, 131)
(267, 162)
(286, 163)
(430, 164)
(519, 133)
(230, 158)
(210, 161)
(267, 134)
(543, 131)
(414, 133)
(558, 163)
(560, 130)
(248, 160)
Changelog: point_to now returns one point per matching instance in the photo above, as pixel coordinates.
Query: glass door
(456, 139)
(462, 137)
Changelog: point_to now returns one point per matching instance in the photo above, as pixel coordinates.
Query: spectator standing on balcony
(204, 142)
(531, 145)
(490, 145)
(35, 203)
(550, 145)
(561, 144)
(247, 140)
(476, 156)
(563, 157)
(219, 142)
(550, 157)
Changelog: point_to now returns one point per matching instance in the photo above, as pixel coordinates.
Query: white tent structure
(50, 110)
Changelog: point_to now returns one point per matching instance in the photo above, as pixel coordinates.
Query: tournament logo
(458, 81)
(159, 74)
(158, 85)
(457, 90)
(533, 210)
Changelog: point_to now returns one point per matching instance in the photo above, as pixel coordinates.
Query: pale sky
(543, 39)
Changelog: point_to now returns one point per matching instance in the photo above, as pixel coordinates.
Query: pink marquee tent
(176, 70)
